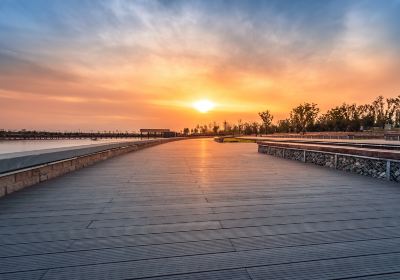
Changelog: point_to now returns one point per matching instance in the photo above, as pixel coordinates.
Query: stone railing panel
(395, 171)
(294, 154)
(322, 159)
(278, 152)
(365, 166)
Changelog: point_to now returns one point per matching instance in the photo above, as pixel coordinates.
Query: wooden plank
(113, 255)
(389, 262)
(367, 267)
(27, 275)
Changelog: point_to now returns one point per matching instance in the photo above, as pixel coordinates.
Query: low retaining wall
(330, 135)
(378, 164)
(355, 144)
(41, 166)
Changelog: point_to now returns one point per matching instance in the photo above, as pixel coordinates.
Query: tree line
(306, 117)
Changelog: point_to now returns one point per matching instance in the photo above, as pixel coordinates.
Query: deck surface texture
(197, 209)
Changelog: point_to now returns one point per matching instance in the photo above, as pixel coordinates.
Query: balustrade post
(388, 170)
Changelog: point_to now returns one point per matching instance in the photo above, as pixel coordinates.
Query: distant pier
(45, 135)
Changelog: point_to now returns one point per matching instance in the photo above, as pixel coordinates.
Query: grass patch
(238, 140)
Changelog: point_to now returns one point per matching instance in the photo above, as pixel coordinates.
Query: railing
(382, 168)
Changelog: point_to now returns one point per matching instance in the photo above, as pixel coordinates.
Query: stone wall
(319, 158)
(19, 179)
(365, 166)
(382, 168)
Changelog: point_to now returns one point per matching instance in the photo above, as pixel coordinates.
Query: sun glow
(203, 106)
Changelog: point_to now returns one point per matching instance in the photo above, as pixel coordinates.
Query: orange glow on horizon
(159, 67)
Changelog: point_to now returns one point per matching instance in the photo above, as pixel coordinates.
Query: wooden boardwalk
(197, 209)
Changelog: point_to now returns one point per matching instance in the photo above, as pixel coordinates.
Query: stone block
(16, 187)
(23, 176)
(7, 180)
(3, 190)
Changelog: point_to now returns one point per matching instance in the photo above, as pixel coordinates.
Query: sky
(108, 65)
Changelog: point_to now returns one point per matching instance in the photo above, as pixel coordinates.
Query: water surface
(13, 146)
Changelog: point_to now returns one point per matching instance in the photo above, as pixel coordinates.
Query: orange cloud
(143, 65)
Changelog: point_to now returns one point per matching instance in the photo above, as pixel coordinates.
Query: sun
(203, 106)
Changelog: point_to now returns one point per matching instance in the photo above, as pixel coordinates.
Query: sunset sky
(106, 65)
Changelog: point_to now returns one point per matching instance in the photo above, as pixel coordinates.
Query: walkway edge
(19, 179)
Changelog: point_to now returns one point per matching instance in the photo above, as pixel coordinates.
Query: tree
(366, 115)
(235, 129)
(340, 118)
(225, 126)
(379, 111)
(385, 111)
(255, 127)
(240, 126)
(186, 131)
(204, 129)
(303, 116)
(215, 128)
(284, 125)
(266, 118)
(353, 117)
(392, 105)
(396, 114)
(247, 128)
